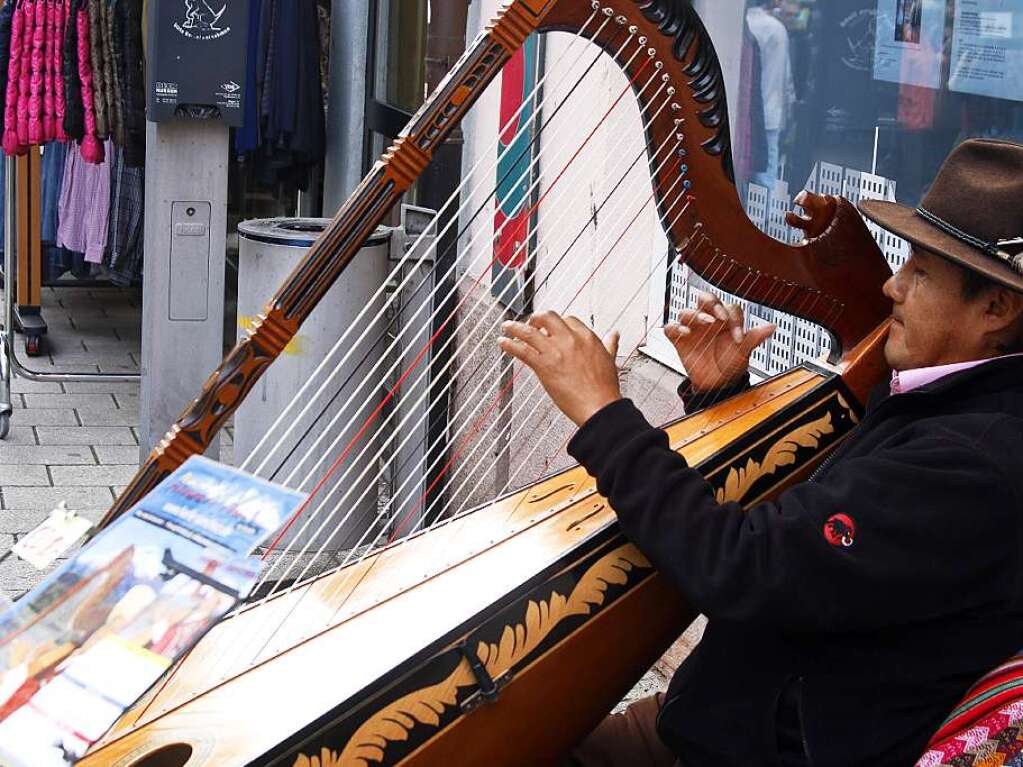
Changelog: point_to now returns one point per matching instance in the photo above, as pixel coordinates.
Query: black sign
(197, 59)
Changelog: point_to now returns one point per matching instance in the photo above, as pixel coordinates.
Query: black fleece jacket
(875, 622)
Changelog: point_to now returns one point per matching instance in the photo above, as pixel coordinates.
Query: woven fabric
(986, 729)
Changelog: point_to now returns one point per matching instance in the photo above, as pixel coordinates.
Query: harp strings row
(356, 471)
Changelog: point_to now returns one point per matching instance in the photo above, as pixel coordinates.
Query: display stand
(21, 310)
(28, 318)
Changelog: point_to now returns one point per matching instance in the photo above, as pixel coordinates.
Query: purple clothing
(908, 380)
(84, 206)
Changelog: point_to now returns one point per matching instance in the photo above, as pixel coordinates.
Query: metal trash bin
(268, 251)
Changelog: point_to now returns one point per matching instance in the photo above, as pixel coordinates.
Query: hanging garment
(37, 78)
(84, 207)
(49, 105)
(134, 82)
(6, 38)
(99, 72)
(127, 207)
(294, 133)
(246, 138)
(74, 112)
(111, 77)
(10, 142)
(25, 71)
(56, 260)
(92, 148)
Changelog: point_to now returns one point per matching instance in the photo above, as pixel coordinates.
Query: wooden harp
(503, 633)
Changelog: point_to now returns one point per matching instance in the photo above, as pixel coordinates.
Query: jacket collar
(999, 374)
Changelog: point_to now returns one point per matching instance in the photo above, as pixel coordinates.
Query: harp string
(462, 348)
(546, 193)
(469, 429)
(333, 595)
(340, 526)
(394, 366)
(285, 415)
(372, 375)
(301, 396)
(454, 312)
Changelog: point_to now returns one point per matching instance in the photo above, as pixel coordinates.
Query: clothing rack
(23, 245)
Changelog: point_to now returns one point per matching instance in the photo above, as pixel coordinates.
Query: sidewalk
(73, 442)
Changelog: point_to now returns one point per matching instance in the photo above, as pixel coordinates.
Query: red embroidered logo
(840, 530)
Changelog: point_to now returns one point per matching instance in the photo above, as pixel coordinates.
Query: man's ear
(1004, 309)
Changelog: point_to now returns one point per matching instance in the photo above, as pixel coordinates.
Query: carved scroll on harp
(373, 662)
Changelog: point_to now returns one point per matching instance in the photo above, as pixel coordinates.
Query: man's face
(932, 325)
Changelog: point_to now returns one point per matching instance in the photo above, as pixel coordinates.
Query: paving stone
(20, 434)
(22, 385)
(85, 435)
(102, 387)
(70, 400)
(81, 358)
(108, 416)
(117, 454)
(51, 455)
(127, 400)
(106, 345)
(24, 476)
(129, 367)
(91, 476)
(48, 417)
(48, 497)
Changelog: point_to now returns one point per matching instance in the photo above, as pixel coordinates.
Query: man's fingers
(735, 321)
(521, 351)
(675, 332)
(611, 344)
(694, 318)
(526, 334)
(757, 336)
(549, 321)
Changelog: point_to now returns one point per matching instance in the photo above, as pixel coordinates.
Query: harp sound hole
(175, 755)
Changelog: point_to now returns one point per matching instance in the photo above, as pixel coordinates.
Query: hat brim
(908, 224)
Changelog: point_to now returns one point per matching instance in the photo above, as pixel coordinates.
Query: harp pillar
(183, 285)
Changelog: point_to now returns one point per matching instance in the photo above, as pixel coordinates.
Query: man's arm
(777, 563)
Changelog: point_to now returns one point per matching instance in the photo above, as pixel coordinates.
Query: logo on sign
(202, 22)
(231, 87)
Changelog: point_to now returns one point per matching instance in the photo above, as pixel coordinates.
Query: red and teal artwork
(516, 174)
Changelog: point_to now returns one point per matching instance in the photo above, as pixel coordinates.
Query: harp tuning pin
(609, 12)
(621, 20)
(679, 121)
(659, 65)
(671, 91)
(682, 152)
(680, 136)
(642, 40)
(595, 5)
(683, 169)
(675, 107)
(665, 77)
(687, 184)
(651, 52)
(633, 29)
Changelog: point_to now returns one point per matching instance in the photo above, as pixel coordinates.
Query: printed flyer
(909, 42)
(85, 644)
(987, 48)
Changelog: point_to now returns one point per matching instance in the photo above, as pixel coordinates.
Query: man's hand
(572, 363)
(712, 344)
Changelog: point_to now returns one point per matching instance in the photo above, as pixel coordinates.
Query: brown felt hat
(972, 214)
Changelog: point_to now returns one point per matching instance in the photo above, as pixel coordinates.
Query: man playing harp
(847, 618)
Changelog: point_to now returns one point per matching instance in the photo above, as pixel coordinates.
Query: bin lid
(296, 232)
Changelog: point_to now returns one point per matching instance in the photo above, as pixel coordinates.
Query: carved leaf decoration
(394, 722)
(782, 453)
(327, 758)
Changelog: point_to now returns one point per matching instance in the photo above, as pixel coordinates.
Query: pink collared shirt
(908, 380)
